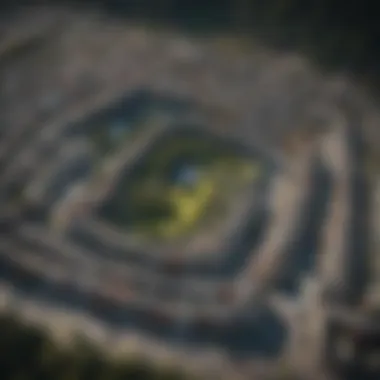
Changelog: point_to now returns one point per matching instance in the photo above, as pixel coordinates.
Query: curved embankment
(360, 224)
(315, 298)
(33, 277)
(199, 309)
(373, 298)
(343, 259)
(190, 309)
(224, 263)
(44, 265)
(130, 284)
(333, 261)
(302, 251)
(95, 233)
(289, 195)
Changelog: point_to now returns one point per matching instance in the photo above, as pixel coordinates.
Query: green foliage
(150, 202)
(27, 353)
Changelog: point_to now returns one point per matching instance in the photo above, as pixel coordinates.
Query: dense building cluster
(271, 248)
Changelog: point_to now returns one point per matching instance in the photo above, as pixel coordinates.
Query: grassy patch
(183, 184)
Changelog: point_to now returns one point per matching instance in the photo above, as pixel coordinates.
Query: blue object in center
(187, 175)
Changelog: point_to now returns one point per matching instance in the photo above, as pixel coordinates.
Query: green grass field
(153, 203)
